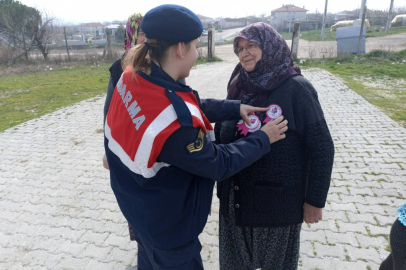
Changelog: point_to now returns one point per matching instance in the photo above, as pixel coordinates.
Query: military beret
(171, 23)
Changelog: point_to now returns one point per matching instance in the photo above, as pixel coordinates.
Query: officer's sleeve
(190, 150)
(217, 110)
(110, 91)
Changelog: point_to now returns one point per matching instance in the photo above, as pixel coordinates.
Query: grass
(205, 61)
(378, 76)
(37, 91)
(315, 35)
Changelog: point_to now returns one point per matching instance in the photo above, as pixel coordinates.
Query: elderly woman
(263, 206)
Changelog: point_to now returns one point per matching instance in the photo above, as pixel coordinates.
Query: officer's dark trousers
(183, 258)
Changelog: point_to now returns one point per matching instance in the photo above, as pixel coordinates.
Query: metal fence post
(295, 39)
(66, 43)
(210, 44)
(323, 29)
(389, 15)
(108, 45)
(362, 30)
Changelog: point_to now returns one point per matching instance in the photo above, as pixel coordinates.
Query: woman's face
(190, 57)
(140, 36)
(249, 53)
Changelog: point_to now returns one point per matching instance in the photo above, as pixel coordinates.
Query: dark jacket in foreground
(271, 192)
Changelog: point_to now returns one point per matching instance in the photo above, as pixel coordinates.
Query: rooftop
(290, 8)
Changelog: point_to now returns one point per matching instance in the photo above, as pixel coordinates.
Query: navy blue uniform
(169, 211)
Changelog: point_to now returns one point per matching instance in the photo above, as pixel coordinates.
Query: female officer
(158, 142)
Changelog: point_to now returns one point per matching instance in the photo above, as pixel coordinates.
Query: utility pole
(323, 28)
(362, 30)
(389, 17)
(66, 42)
(363, 3)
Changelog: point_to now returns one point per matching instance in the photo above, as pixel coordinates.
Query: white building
(113, 28)
(282, 18)
(94, 29)
(205, 21)
(233, 23)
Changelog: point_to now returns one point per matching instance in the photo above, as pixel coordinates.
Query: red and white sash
(141, 118)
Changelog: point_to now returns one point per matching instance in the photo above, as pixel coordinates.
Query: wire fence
(343, 36)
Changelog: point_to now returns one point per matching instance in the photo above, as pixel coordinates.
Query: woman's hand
(105, 163)
(312, 214)
(246, 110)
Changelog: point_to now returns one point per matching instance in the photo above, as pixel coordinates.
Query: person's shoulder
(300, 87)
(116, 66)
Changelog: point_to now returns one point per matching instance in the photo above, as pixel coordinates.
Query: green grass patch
(379, 77)
(24, 97)
(205, 61)
(37, 92)
(315, 35)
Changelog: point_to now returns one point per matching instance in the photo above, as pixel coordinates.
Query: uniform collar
(160, 77)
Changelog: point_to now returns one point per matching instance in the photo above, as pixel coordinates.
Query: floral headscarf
(275, 66)
(133, 24)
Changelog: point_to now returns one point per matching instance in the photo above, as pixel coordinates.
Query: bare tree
(43, 31)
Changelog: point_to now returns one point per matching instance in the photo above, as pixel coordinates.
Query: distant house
(113, 28)
(95, 29)
(205, 21)
(284, 17)
(233, 23)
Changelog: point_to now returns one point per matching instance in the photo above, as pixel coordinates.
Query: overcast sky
(78, 11)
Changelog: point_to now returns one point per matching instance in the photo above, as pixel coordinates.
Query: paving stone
(344, 207)
(122, 256)
(306, 248)
(335, 215)
(93, 264)
(93, 238)
(311, 236)
(364, 218)
(372, 242)
(210, 240)
(348, 238)
(376, 230)
(117, 241)
(363, 254)
(71, 248)
(352, 227)
(332, 251)
(72, 263)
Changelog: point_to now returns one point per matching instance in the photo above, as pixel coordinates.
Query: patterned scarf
(275, 66)
(133, 23)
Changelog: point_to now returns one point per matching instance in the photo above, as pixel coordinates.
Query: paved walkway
(57, 210)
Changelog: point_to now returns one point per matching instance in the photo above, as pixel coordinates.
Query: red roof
(290, 8)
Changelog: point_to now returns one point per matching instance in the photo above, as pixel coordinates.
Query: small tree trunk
(66, 43)
(25, 45)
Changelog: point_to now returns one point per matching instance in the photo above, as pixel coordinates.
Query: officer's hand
(105, 163)
(246, 110)
(276, 129)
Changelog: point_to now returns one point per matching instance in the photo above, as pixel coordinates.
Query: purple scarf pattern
(275, 66)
